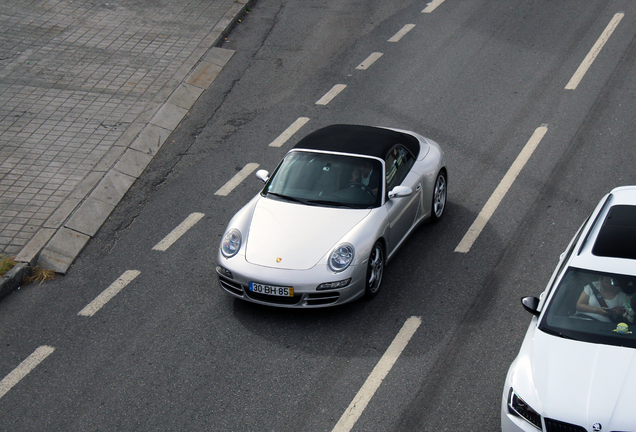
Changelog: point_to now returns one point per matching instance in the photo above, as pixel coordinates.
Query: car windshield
(327, 179)
(593, 307)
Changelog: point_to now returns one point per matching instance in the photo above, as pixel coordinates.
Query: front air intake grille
(322, 298)
(557, 426)
(231, 286)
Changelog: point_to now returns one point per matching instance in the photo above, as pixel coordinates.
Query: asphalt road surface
(487, 80)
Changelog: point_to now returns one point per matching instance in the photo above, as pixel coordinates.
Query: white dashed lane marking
(399, 35)
(499, 193)
(591, 56)
(328, 97)
(289, 132)
(381, 370)
(432, 6)
(369, 61)
(24, 368)
(176, 233)
(237, 179)
(109, 293)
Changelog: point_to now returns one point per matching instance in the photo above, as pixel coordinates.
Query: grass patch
(38, 274)
(6, 264)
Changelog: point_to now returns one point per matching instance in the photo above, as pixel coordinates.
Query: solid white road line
(331, 94)
(361, 400)
(399, 35)
(176, 233)
(591, 56)
(432, 5)
(369, 61)
(237, 179)
(289, 132)
(109, 293)
(24, 368)
(492, 204)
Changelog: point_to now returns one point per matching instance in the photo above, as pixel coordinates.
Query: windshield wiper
(331, 203)
(289, 198)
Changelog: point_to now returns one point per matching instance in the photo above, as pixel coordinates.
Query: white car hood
(584, 383)
(296, 235)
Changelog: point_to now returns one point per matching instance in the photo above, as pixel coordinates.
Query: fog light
(333, 285)
(224, 272)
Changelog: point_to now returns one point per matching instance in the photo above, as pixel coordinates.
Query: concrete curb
(12, 280)
(56, 245)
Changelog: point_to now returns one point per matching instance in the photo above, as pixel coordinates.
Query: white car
(576, 369)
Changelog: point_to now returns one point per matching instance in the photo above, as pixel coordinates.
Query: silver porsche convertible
(330, 217)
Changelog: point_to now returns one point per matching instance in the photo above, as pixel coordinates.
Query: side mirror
(531, 304)
(262, 175)
(400, 192)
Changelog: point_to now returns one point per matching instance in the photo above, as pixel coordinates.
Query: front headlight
(517, 406)
(231, 243)
(341, 257)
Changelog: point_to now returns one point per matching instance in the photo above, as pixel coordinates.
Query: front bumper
(236, 273)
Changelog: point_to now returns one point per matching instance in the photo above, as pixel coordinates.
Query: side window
(565, 257)
(398, 164)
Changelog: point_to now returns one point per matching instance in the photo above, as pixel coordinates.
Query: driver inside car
(366, 175)
(602, 300)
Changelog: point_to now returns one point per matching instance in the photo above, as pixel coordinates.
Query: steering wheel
(362, 186)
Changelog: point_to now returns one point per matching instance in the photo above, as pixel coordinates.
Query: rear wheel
(375, 270)
(439, 197)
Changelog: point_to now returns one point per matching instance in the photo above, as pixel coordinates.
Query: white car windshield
(327, 179)
(593, 307)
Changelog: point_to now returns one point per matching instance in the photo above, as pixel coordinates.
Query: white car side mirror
(400, 192)
(262, 175)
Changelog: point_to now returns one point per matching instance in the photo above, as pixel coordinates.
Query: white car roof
(609, 244)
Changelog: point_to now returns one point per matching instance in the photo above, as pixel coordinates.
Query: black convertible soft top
(356, 139)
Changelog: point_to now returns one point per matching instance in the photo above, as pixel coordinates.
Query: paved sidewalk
(89, 91)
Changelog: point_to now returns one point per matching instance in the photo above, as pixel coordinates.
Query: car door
(402, 211)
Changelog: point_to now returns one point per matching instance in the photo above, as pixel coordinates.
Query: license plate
(271, 290)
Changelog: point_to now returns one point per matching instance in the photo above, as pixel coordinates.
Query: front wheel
(375, 270)
(439, 197)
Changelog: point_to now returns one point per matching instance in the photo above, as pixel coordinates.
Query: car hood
(584, 383)
(296, 235)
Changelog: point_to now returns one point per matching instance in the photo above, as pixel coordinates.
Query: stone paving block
(150, 139)
(62, 213)
(86, 184)
(89, 216)
(60, 252)
(133, 163)
(185, 95)
(169, 116)
(190, 62)
(112, 188)
(203, 74)
(148, 112)
(29, 253)
(218, 56)
(110, 158)
(130, 134)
